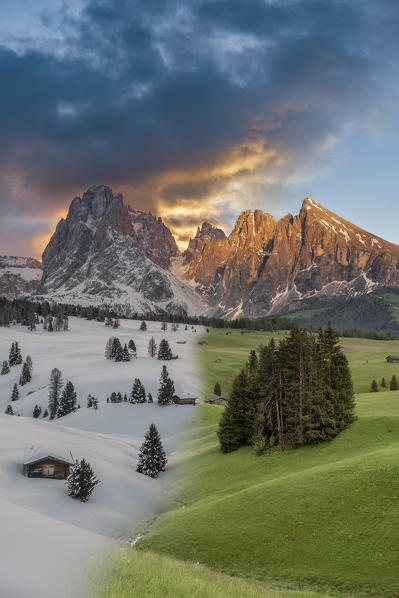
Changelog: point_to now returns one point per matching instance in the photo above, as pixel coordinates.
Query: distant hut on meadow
(184, 400)
(41, 462)
(392, 359)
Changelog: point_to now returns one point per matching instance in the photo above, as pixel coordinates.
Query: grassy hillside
(321, 517)
(134, 574)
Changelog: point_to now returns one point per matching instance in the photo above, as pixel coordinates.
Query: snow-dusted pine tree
(108, 348)
(81, 481)
(55, 386)
(15, 393)
(164, 351)
(132, 348)
(152, 347)
(143, 325)
(167, 388)
(152, 458)
(138, 392)
(5, 368)
(67, 402)
(9, 410)
(37, 411)
(26, 375)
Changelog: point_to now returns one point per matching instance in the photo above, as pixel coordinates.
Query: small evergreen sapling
(150, 399)
(217, 390)
(132, 348)
(81, 481)
(164, 326)
(167, 388)
(15, 393)
(152, 458)
(143, 326)
(37, 411)
(45, 413)
(9, 410)
(5, 368)
(383, 383)
(394, 383)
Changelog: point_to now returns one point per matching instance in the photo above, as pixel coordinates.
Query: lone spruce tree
(217, 390)
(9, 410)
(26, 375)
(5, 368)
(68, 401)
(36, 411)
(152, 458)
(383, 383)
(143, 325)
(15, 393)
(164, 351)
(81, 481)
(152, 347)
(138, 392)
(55, 386)
(374, 386)
(132, 348)
(236, 426)
(394, 383)
(167, 388)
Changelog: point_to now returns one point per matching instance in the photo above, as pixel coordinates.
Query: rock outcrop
(266, 266)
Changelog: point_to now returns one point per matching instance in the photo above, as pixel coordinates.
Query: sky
(198, 109)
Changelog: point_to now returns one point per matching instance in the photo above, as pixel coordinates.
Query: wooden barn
(392, 359)
(184, 400)
(43, 463)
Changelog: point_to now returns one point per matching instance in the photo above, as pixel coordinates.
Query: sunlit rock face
(19, 276)
(106, 253)
(266, 266)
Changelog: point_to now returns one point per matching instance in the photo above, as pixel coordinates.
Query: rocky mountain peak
(207, 232)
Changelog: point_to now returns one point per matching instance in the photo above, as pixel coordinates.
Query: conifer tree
(152, 458)
(164, 351)
(116, 323)
(217, 390)
(9, 410)
(37, 411)
(383, 383)
(374, 386)
(117, 351)
(12, 355)
(26, 375)
(55, 386)
(67, 403)
(125, 353)
(29, 363)
(394, 383)
(143, 325)
(167, 388)
(132, 348)
(18, 354)
(45, 413)
(150, 399)
(108, 348)
(236, 426)
(252, 363)
(164, 326)
(50, 324)
(15, 393)
(138, 392)
(5, 368)
(89, 401)
(152, 347)
(81, 481)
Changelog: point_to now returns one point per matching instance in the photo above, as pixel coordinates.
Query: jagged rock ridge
(19, 276)
(105, 253)
(266, 266)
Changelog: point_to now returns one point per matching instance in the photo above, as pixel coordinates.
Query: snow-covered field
(47, 538)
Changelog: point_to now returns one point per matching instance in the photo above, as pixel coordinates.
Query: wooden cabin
(392, 359)
(42, 463)
(202, 343)
(184, 400)
(216, 400)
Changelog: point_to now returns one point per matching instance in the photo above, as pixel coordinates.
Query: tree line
(294, 393)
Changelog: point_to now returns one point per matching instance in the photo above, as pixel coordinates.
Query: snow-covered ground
(47, 537)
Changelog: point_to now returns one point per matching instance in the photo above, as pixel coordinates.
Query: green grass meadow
(321, 519)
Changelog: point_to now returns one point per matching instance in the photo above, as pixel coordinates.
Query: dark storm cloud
(135, 90)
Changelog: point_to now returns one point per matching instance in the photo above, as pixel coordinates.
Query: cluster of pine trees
(62, 399)
(297, 392)
(15, 358)
(393, 385)
(115, 351)
(138, 393)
